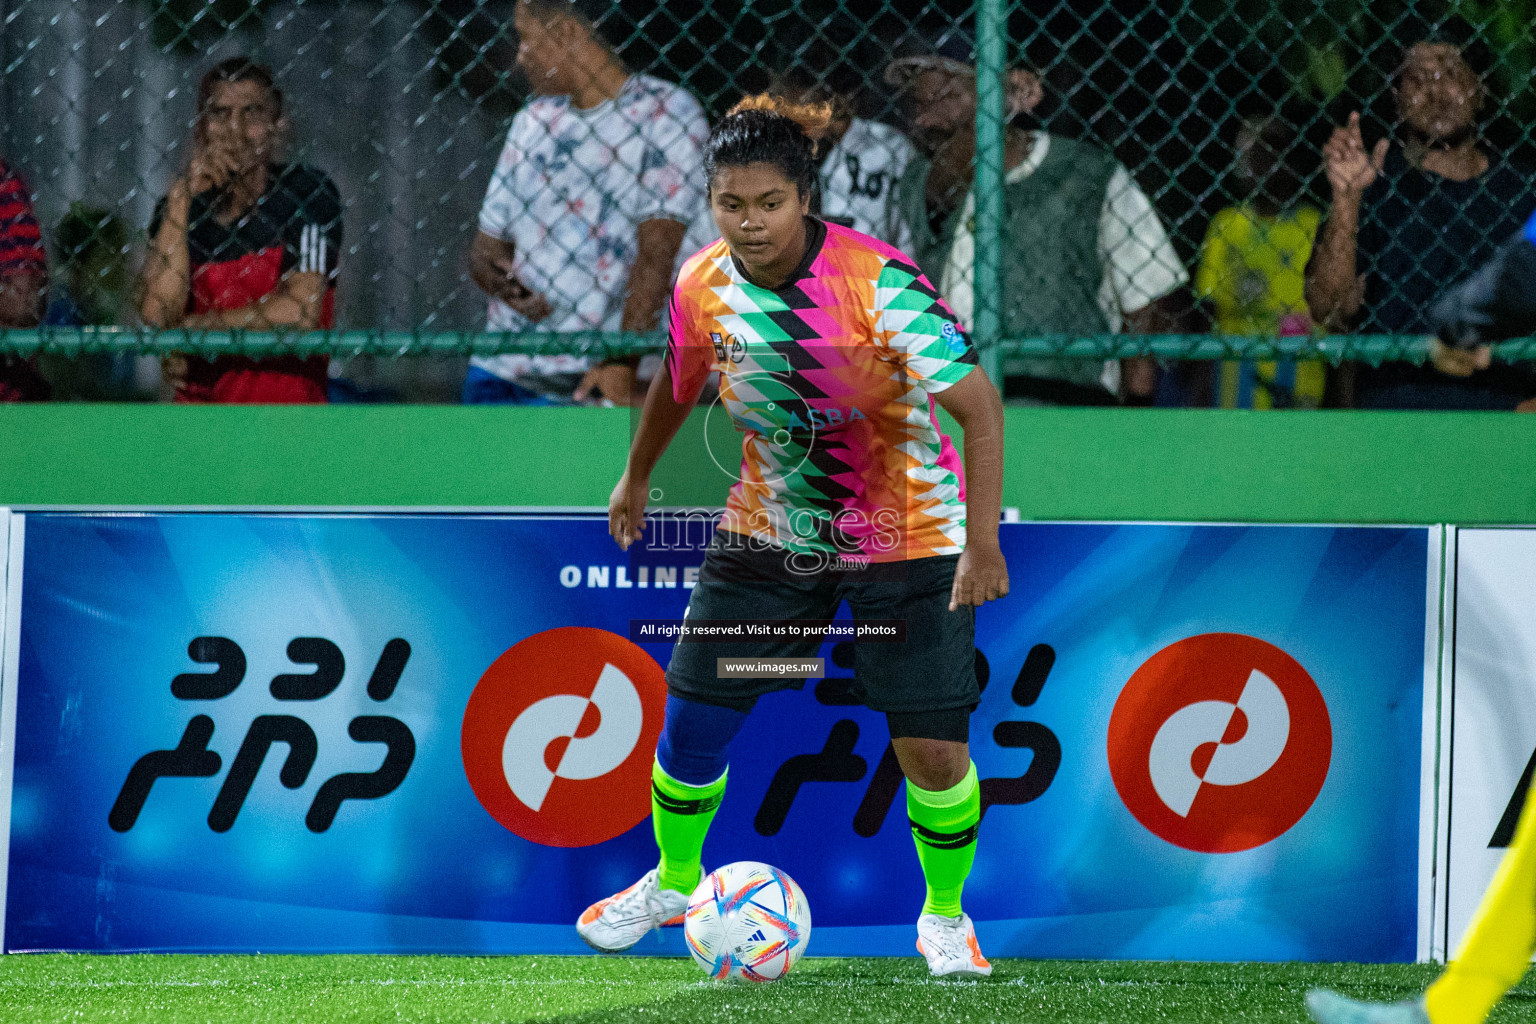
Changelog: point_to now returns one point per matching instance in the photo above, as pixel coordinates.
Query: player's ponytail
(813, 118)
(770, 130)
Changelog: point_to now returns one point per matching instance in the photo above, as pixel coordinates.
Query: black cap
(952, 49)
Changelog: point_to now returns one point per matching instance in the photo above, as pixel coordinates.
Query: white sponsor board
(1434, 793)
(1491, 695)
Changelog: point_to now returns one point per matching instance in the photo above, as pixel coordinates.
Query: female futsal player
(832, 349)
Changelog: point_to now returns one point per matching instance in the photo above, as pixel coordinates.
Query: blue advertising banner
(434, 733)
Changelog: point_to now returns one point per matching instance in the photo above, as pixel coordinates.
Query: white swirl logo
(1219, 743)
(558, 735)
(523, 754)
(766, 403)
(1261, 708)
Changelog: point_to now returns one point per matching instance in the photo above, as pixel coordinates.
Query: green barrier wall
(1062, 463)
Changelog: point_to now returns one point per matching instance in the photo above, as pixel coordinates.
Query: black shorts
(933, 669)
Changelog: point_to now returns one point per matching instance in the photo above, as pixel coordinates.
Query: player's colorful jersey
(830, 378)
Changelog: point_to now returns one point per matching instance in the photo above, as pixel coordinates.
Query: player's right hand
(1351, 170)
(626, 510)
(981, 575)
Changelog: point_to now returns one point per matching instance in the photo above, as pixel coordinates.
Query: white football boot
(949, 946)
(623, 919)
(1332, 1008)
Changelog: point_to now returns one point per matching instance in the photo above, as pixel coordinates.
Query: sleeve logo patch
(955, 339)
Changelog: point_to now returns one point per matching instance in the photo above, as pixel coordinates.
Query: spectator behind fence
(862, 161)
(241, 241)
(23, 281)
(1408, 220)
(587, 208)
(93, 283)
(1497, 302)
(1083, 253)
(92, 287)
(1251, 269)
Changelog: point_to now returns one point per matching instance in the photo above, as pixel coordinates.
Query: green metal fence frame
(1186, 465)
(991, 24)
(991, 29)
(74, 341)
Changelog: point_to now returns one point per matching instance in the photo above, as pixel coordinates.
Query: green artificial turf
(463, 990)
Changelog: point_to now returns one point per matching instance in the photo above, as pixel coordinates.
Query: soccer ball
(747, 921)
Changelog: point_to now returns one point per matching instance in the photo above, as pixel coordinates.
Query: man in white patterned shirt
(586, 211)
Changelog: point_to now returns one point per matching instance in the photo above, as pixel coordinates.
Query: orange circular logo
(559, 734)
(1220, 743)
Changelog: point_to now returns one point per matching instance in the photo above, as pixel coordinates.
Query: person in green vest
(1084, 252)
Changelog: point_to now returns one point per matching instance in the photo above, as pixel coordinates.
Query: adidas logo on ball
(751, 899)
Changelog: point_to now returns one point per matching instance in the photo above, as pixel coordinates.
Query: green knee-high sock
(944, 827)
(681, 815)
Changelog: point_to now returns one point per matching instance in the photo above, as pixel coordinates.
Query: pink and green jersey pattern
(830, 379)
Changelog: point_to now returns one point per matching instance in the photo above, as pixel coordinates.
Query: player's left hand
(981, 576)
(626, 509)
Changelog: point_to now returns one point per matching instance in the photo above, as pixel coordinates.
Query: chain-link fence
(1117, 180)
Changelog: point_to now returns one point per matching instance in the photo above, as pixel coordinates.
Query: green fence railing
(69, 341)
(1194, 132)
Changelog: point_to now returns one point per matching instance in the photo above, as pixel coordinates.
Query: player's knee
(934, 765)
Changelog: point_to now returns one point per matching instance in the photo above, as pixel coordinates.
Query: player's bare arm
(296, 304)
(650, 282)
(982, 574)
(167, 266)
(1138, 374)
(1334, 291)
(660, 420)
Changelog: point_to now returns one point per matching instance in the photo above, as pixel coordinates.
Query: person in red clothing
(23, 280)
(242, 241)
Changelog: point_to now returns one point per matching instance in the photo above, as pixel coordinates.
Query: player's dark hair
(767, 129)
(239, 69)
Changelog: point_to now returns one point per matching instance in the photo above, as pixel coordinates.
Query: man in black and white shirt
(861, 160)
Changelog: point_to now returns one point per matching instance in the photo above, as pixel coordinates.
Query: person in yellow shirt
(1252, 267)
